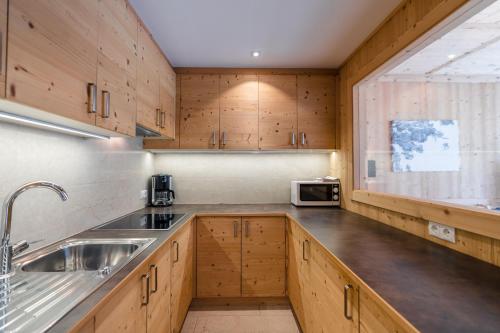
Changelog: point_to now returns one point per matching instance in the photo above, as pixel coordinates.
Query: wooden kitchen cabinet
(263, 256)
(316, 111)
(218, 256)
(316, 287)
(199, 126)
(52, 55)
(3, 44)
(148, 81)
(117, 67)
(158, 308)
(126, 310)
(239, 111)
(181, 276)
(278, 111)
(167, 99)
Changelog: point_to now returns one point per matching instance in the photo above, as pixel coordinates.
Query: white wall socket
(442, 231)
(143, 194)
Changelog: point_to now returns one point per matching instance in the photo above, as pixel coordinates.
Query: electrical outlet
(442, 231)
(143, 194)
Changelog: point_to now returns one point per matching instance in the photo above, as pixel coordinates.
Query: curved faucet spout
(6, 222)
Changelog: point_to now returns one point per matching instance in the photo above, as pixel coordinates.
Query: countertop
(434, 288)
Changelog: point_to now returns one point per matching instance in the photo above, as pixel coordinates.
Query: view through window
(430, 126)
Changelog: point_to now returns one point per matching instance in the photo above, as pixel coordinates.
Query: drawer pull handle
(158, 115)
(235, 229)
(347, 313)
(306, 241)
(247, 229)
(303, 138)
(294, 139)
(106, 104)
(176, 244)
(92, 94)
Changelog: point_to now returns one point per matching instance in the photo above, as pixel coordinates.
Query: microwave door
(316, 193)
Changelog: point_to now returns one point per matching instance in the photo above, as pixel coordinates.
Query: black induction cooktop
(157, 221)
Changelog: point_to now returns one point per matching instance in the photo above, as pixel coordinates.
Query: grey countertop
(434, 288)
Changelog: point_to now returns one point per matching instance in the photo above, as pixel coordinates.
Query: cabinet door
(277, 111)
(333, 297)
(298, 275)
(52, 55)
(218, 246)
(263, 256)
(167, 99)
(117, 66)
(199, 112)
(159, 303)
(316, 111)
(181, 276)
(148, 81)
(239, 112)
(3, 44)
(124, 311)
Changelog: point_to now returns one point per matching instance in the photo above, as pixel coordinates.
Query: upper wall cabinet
(239, 112)
(277, 111)
(167, 99)
(117, 66)
(52, 56)
(199, 126)
(3, 44)
(316, 111)
(148, 82)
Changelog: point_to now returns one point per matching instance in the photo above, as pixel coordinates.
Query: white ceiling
(474, 43)
(289, 33)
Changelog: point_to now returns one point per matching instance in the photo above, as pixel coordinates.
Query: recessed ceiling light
(451, 56)
(255, 54)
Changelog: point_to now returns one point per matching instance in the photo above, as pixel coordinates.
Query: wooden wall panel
(405, 25)
(3, 45)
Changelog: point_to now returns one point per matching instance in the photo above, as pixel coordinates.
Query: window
(429, 126)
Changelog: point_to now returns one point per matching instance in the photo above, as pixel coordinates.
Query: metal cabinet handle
(92, 95)
(223, 138)
(303, 138)
(106, 103)
(347, 313)
(155, 284)
(145, 290)
(157, 117)
(176, 244)
(304, 250)
(294, 139)
(214, 138)
(162, 120)
(235, 229)
(247, 229)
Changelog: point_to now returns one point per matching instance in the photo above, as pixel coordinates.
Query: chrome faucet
(7, 251)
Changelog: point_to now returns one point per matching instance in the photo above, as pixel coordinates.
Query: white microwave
(315, 193)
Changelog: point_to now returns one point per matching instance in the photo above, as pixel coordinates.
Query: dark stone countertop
(434, 288)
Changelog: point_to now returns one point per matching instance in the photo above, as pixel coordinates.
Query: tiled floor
(248, 318)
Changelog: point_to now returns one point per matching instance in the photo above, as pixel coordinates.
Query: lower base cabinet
(322, 296)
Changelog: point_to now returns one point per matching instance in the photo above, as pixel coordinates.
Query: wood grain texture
(316, 111)
(123, 312)
(167, 99)
(218, 246)
(49, 67)
(4, 6)
(163, 143)
(181, 275)
(255, 71)
(277, 111)
(263, 256)
(88, 327)
(148, 80)
(199, 123)
(239, 113)
(158, 309)
(117, 65)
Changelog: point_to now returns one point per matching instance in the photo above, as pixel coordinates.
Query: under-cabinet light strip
(46, 125)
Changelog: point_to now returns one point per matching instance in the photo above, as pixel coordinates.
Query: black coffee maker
(161, 190)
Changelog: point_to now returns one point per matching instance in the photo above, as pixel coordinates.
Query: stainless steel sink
(101, 255)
